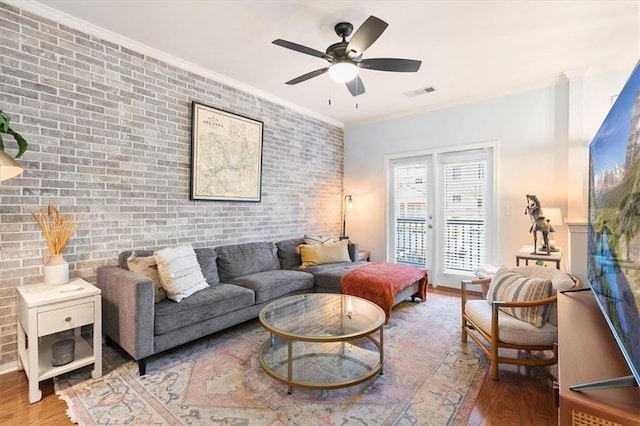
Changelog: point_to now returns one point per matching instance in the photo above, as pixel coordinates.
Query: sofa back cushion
(238, 260)
(288, 253)
(206, 258)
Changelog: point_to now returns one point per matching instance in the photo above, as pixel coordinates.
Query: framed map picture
(226, 155)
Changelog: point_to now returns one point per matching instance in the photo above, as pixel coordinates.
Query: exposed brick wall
(109, 133)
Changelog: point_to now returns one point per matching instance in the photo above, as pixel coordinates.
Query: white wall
(531, 132)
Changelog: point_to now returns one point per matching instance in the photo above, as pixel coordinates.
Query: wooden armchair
(492, 328)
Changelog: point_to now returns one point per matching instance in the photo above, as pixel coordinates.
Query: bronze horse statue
(538, 223)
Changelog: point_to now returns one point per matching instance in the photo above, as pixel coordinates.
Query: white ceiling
(470, 50)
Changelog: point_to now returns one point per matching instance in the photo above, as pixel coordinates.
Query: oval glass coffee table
(322, 340)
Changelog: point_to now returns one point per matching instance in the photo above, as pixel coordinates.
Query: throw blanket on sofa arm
(379, 282)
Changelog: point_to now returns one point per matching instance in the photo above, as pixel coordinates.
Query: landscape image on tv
(613, 263)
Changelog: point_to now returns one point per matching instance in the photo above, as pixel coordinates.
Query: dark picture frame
(226, 155)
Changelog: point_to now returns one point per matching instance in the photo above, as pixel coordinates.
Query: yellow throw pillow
(509, 286)
(319, 254)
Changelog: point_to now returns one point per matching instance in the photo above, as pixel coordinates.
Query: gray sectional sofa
(242, 279)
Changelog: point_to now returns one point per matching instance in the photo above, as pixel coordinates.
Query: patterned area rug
(429, 378)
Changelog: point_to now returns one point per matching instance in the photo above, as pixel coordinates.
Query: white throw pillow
(147, 266)
(318, 239)
(179, 272)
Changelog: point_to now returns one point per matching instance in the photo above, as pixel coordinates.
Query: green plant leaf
(6, 128)
(22, 143)
(4, 122)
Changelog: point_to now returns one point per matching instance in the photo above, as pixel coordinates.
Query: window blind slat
(409, 200)
(464, 215)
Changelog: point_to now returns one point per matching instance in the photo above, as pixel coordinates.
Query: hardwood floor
(16, 410)
(523, 396)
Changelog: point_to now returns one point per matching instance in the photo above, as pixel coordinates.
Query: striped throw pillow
(147, 266)
(508, 286)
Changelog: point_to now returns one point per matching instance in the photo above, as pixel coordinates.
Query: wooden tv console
(588, 352)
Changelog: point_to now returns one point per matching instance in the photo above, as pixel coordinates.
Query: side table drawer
(67, 318)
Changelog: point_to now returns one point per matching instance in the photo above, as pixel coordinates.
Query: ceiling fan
(345, 57)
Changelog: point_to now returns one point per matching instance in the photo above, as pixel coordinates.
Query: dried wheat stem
(56, 229)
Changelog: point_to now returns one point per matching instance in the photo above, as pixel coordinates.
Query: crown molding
(102, 33)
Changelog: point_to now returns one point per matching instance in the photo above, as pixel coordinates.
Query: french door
(439, 217)
(411, 211)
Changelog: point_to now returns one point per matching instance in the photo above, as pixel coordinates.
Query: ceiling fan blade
(390, 64)
(307, 76)
(300, 48)
(356, 86)
(366, 35)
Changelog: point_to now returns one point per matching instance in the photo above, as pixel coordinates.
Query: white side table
(526, 254)
(45, 310)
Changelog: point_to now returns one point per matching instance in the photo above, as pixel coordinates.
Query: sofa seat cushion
(271, 285)
(208, 303)
(328, 276)
(512, 330)
(238, 260)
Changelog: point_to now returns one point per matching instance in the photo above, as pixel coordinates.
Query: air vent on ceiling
(413, 93)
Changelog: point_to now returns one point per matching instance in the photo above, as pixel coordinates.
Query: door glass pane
(464, 215)
(409, 197)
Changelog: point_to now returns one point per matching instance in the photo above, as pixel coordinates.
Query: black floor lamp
(347, 205)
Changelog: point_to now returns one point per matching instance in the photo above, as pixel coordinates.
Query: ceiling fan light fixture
(343, 72)
(345, 57)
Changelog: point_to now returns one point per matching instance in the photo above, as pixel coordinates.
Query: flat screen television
(613, 261)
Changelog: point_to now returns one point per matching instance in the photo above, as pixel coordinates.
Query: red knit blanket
(379, 282)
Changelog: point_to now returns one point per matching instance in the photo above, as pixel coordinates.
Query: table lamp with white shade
(553, 215)
(8, 167)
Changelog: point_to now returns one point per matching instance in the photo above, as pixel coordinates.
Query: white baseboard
(9, 367)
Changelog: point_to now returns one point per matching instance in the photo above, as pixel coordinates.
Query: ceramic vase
(56, 269)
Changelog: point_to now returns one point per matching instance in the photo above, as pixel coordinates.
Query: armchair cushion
(512, 330)
(509, 286)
